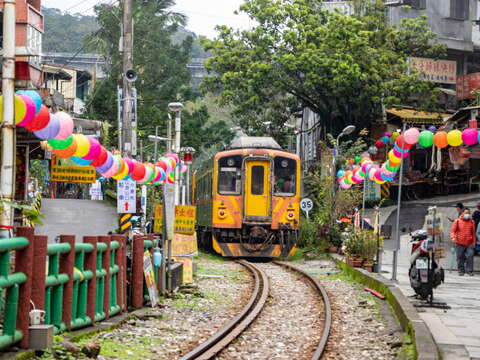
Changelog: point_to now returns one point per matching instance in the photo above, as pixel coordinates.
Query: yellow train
(248, 200)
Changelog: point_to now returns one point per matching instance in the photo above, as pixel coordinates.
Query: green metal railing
(81, 277)
(54, 284)
(101, 274)
(9, 287)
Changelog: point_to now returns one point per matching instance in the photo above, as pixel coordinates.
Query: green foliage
(300, 55)
(66, 32)
(38, 171)
(29, 212)
(361, 242)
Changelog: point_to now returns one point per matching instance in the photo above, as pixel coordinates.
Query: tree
(162, 68)
(299, 55)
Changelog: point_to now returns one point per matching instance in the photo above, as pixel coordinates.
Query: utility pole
(128, 78)
(7, 175)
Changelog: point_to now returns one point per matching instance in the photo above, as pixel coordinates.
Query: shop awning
(411, 116)
(463, 114)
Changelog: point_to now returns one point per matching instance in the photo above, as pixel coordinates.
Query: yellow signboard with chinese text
(158, 218)
(75, 174)
(187, 273)
(184, 219)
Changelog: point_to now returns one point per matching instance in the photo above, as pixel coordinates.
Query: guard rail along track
(252, 309)
(239, 323)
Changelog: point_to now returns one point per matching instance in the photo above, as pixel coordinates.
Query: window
(416, 4)
(285, 170)
(459, 9)
(257, 180)
(230, 175)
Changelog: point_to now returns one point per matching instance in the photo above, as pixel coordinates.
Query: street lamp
(177, 108)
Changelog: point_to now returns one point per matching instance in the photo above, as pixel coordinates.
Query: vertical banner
(158, 218)
(133, 99)
(150, 278)
(169, 193)
(126, 197)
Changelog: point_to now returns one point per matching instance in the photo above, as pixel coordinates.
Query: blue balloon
(340, 173)
(80, 161)
(385, 139)
(387, 177)
(34, 96)
(400, 150)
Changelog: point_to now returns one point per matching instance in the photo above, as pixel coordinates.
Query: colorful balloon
(40, 120)
(138, 172)
(30, 110)
(123, 171)
(94, 150)
(454, 138)
(129, 163)
(101, 158)
(411, 136)
(395, 135)
(107, 165)
(470, 136)
(80, 161)
(340, 173)
(345, 186)
(68, 151)
(393, 158)
(83, 145)
(379, 144)
(49, 131)
(116, 164)
(36, 98)
(60, 144)
(425, 138)
(372, 150)
(385, 139)
(402, 144)
(66, 125)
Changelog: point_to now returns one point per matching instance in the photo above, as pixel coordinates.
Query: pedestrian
(476, 215)
(459, 208)
(464, 237)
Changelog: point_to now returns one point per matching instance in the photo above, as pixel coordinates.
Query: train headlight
(290, 215)
(222, 213)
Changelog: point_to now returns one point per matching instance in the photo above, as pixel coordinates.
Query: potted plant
(353, 249)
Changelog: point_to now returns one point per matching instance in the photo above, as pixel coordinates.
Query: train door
(257, 190)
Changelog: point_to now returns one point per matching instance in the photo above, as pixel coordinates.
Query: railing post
(137, 272)
(106, 266)
(24, 264)
(91, 264)
(39, 271)
(67, 262)
(121, 261)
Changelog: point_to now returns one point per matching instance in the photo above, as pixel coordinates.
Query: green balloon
(392, 168)
(361, 173)
(357, 159)
(58, 144)
(426, 138)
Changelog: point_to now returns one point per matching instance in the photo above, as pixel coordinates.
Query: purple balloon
(107, 165)
(49, 131)
(432, 128)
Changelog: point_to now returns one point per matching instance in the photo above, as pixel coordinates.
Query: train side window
(258, 176)
(285, 170)
(230, 175)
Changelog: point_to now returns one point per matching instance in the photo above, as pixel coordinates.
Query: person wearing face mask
(464, 237)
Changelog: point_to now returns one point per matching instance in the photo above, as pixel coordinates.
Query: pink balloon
(399, 154)
(411, 136)
(114, 168)
(345, 186)
(378, 175)
(31, 110)
(66, 125)
(130, 163)
(371, 173)
(470, 136)
(95, 149)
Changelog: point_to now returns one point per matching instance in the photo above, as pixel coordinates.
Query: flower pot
(368, 267)
(332, 249)
(357, 263)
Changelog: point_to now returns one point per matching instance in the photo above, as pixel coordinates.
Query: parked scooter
(425, 274)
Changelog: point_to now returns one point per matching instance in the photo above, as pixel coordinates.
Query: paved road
(76, 217)
(456, 331)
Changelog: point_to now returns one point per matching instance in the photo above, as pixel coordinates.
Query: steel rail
(328, 310)
(222, 338)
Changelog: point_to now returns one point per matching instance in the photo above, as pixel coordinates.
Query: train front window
(230, 175)
(285, 170)
(257, 180)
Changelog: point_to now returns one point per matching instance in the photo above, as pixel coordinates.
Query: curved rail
(328, 310)
(222, 338)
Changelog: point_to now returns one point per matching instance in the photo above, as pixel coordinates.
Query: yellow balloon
(454, 138)
(395, 135)
(83, 145)
(378, 181)
(392, 157)
(123, 171)
(20, 109)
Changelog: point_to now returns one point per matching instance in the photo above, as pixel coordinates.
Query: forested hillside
(67, 32)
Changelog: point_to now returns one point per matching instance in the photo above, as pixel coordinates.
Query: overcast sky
(203, 15)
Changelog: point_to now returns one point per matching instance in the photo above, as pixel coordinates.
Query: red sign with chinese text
(438, 71)
(466, 84)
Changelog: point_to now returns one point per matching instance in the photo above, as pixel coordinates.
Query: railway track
(221, 339)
